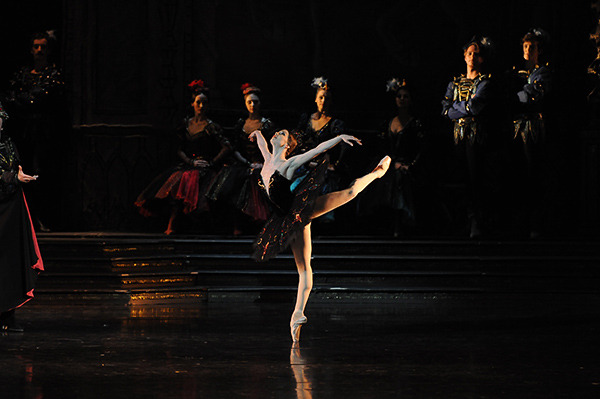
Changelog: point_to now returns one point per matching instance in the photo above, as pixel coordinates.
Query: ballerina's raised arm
(298, 160)
(262, 144)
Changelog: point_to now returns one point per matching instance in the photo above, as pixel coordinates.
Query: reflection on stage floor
(425, 346)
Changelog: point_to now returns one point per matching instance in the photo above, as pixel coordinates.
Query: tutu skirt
(283, 224)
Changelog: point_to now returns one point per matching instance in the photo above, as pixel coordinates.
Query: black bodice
(279, 193)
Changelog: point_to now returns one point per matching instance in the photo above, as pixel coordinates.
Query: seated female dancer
(294, 210)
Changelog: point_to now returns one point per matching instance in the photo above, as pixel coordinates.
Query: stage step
(155, 268)
(121, 245)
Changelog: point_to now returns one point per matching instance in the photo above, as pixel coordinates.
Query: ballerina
(294, 210)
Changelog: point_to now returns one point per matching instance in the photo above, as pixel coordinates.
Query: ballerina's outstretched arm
(298, 160)
(262, 144)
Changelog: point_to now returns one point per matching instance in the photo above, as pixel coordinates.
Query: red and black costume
(237, 183)
(185, 182)
(20, 259)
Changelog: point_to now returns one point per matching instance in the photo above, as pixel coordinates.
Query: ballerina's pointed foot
(295, 326)
(383, 166)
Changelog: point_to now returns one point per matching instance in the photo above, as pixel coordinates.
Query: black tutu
(292, 210)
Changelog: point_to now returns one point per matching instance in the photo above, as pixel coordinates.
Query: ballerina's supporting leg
(302, 244)
(302, 250)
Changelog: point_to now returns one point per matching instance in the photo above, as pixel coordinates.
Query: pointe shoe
(295, 327)
(383, 165)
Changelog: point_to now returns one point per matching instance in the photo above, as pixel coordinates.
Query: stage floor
(422, 347)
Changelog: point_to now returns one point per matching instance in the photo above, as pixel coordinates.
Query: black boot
(8, 322)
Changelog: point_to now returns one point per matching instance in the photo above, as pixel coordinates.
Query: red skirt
(188, 186)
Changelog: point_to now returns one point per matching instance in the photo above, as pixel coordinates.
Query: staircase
(140, 269)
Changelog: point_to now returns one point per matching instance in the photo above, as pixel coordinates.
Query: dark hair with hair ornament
(394, 86)
(320, 83)
(540, 36)
(198, 87)
(49, 35)
(484, 46)
(249, 88)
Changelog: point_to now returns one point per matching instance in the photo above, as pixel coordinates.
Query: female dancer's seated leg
(302, 244)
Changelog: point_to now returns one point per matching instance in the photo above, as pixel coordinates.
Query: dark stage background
(127, 64)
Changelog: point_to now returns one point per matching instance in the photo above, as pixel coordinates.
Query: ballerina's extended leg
(329, 202)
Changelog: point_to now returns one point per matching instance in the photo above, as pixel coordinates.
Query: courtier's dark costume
(39, 126)
(237, 183)
(531, 90)
(185, 182)
(467, 104)
(396, 188)
(20, 259)
(292, 210)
